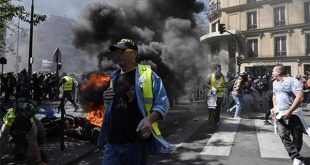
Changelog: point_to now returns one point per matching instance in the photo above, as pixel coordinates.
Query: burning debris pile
(165, 31)
(91, 96)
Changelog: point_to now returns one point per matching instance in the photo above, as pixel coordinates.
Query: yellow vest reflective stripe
(9, 117)
(68, 84)
(145, 76)
(220, 90)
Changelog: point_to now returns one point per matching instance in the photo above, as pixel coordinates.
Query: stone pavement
(74, 150)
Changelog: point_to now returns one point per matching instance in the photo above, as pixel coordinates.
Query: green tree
(8, 11)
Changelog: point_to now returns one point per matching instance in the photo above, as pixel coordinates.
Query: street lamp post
(30, 60)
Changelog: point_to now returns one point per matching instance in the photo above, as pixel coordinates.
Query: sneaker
(237, 117)
(266, 122)
(230, 109)
(195, 119)
(298, 162)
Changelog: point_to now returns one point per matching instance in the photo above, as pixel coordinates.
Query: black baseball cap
(124, 44)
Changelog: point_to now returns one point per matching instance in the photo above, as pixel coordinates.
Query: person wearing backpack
(237, 93)
(19, 122)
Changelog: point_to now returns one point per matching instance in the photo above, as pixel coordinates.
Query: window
(280, 46)
(215, 49)
(252, 20)
(253, 48)
(307, 11)
(308, 45)
(279, 16)
(251, 1)
(213, 27)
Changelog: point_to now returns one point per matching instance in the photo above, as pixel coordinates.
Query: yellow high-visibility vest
(67, 86)
(145, 73)
(220, 90)
(9, 117)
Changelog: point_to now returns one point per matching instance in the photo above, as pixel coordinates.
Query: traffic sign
(57, 55)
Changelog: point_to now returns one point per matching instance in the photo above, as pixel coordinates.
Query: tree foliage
(8, 11)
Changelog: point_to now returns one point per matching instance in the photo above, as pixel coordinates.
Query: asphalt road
(190, 139)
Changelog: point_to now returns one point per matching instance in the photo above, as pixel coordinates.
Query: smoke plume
(165, 31)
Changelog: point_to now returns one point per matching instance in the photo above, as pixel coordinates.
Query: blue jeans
(124, 154)
(238, 101)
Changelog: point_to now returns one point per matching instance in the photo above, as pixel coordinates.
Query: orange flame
(96, 80)
(96, 116)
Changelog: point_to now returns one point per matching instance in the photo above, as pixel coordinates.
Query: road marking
(221, 142)
(270, 143)
(179, 136)
(306, 139)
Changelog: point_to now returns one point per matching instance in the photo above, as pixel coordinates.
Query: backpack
(24, 110)
(230, 84)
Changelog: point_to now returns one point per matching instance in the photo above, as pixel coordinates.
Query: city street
(245, 141)
(75, 54)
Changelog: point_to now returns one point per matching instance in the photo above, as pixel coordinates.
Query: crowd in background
(39, 86)
(46, 86)
(259, 87)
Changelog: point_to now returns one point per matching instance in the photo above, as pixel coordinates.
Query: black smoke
(165, 31)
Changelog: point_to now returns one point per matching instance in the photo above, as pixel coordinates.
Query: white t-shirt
(212, 98)
(283, 90)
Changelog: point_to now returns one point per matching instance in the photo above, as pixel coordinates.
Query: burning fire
(96, 116)
(95, 111)
(96, 80)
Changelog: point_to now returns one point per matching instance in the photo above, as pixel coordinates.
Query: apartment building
(260, 34)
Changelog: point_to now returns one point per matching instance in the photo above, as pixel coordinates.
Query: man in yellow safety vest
(68, 89)
(216, 84)
(135, 101)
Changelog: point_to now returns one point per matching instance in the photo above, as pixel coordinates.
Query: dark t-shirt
(125, 114)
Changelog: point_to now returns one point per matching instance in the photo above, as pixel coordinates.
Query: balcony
(280, 53)
(278, 23)
(214, 11)
(252, 26)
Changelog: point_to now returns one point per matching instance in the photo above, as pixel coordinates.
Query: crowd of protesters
(38, 86)
(260, 89)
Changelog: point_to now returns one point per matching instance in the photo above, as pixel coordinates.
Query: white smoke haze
(165, 31)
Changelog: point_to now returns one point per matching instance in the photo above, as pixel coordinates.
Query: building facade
(260, 34)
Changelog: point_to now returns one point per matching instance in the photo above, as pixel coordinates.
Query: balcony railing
(279, 23)
(252, 26)
(214, 11)
(280, 53)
